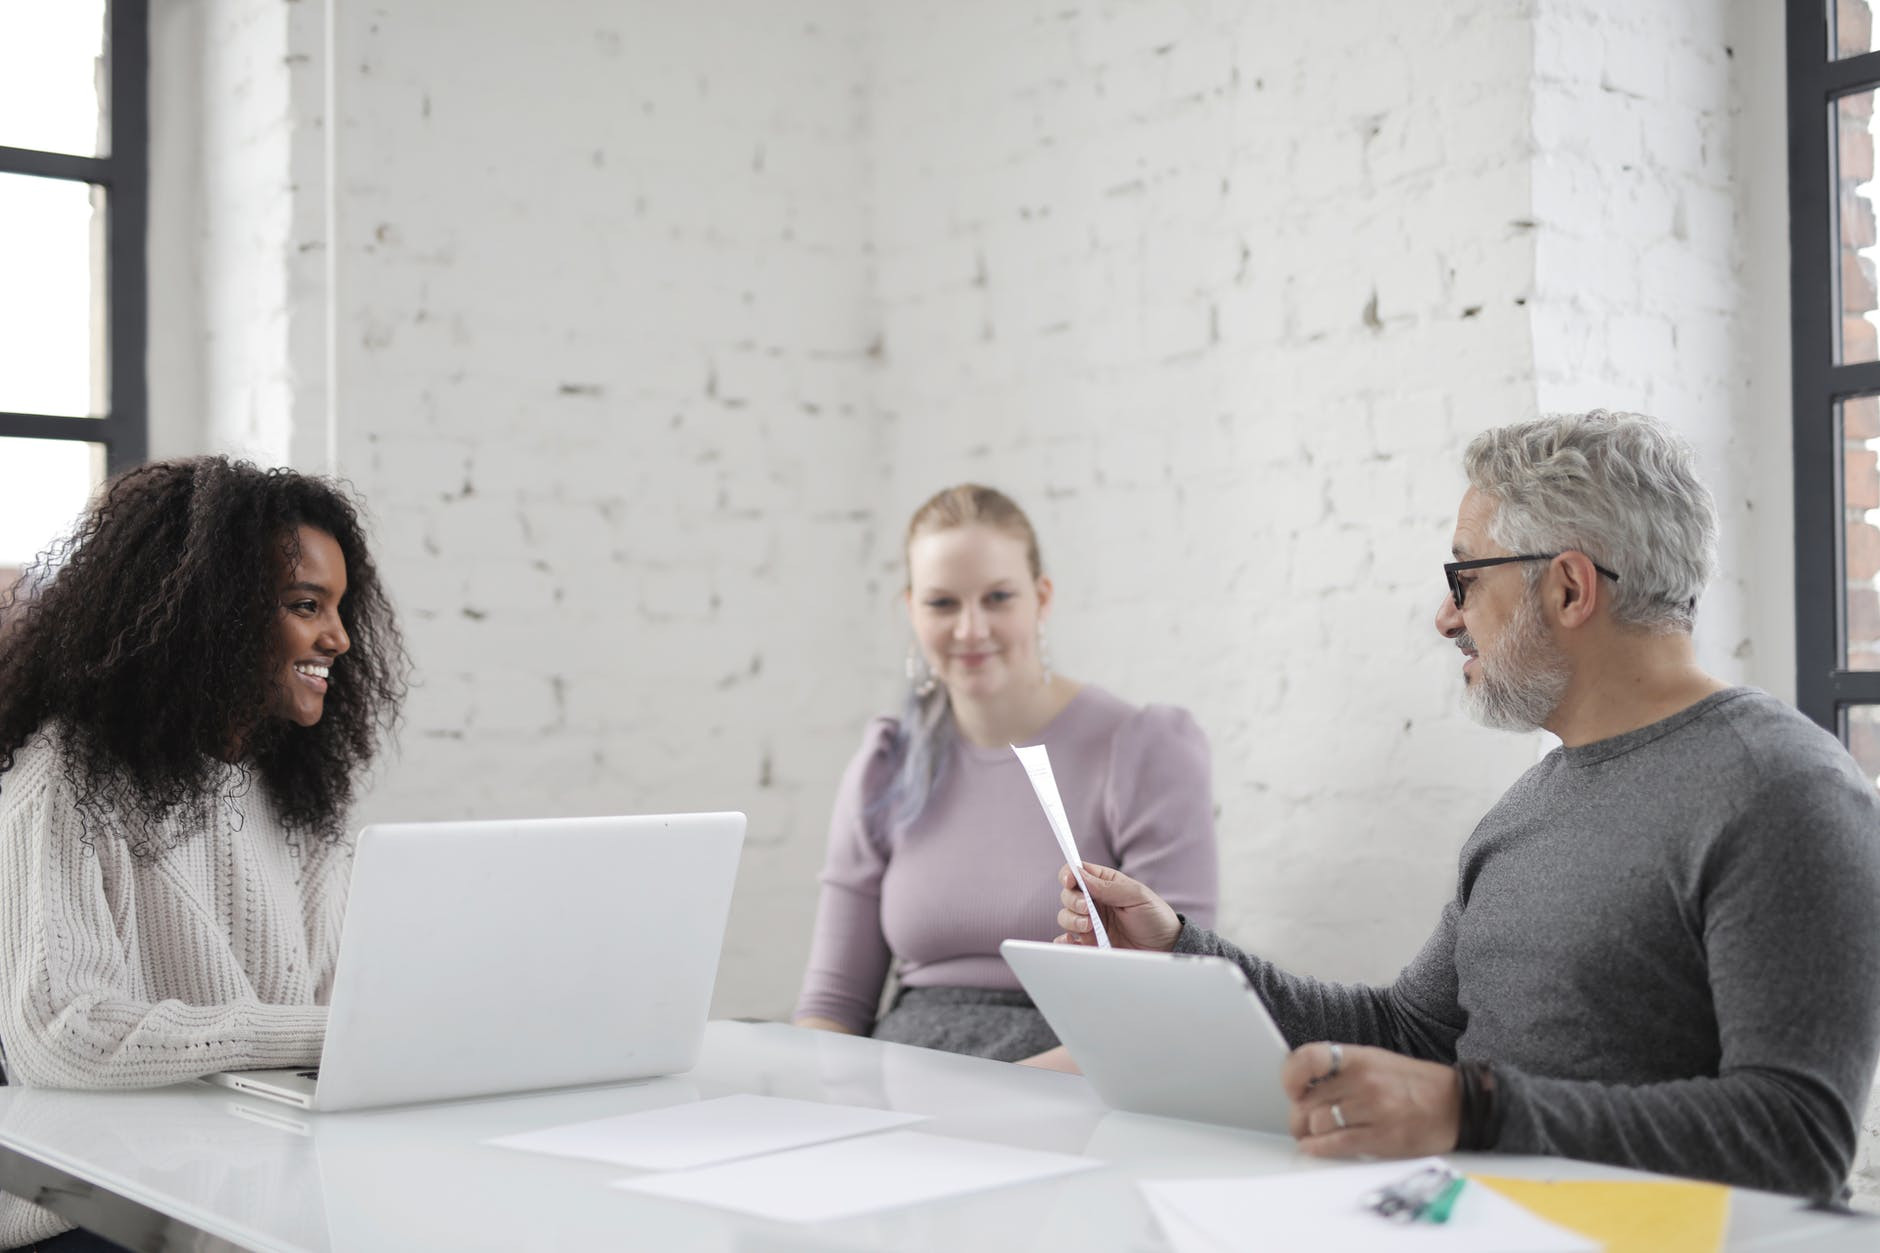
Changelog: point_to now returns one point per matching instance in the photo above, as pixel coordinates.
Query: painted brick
(642, 375)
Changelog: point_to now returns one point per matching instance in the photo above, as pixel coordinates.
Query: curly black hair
(147, 639)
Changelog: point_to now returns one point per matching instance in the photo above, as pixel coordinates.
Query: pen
(1429, 1194)
(1438, 1210)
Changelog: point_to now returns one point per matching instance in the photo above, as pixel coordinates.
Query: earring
(1044, 654)
(919, 676)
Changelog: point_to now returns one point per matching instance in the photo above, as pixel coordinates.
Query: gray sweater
(1667, 942)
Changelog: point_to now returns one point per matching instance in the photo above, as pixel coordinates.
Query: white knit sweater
(121, 973)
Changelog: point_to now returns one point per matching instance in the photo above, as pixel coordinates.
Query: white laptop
(489, 957)
(1161, 1033)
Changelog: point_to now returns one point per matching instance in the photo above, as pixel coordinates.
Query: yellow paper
(1627, 1215)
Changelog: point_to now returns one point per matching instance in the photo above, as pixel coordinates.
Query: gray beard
(1519, 686)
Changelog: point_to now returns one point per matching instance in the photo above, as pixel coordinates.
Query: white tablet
(1161, 1033)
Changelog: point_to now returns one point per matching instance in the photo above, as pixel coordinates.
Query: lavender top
(980, 865)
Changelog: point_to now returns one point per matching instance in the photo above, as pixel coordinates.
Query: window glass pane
(51, 297)
(1854, 193)
(52, 79)
(1863, 739)
(44, 486)
(1853, 27)
(1858, 424)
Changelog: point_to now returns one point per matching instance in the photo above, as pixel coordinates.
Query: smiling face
(975, 609)
(309, 637)
(1513, 672)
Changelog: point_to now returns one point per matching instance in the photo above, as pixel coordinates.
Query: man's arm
(1417, 1015)
(1754, 1129)
(1790, 910)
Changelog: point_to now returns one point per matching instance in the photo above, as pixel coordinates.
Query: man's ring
(1338, 1115)
(1338, 1062)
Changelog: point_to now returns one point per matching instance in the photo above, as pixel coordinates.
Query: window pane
(1863, 739)
(1858, 422)
(51, 297)
(52, 79)
(44, 487)
(1854, 192)
(1853, 27)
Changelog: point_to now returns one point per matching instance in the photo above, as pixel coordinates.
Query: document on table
(699, 1133)
(832, 1181)
(1628, 1215)
(1037, 762)
(1320, 1210)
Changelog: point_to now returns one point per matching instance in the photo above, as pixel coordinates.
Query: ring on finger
(1338, 1116)
(1338, 1061)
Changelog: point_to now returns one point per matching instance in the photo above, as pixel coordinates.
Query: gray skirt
(983, 1022)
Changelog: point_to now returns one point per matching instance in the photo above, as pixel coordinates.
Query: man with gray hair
(1664, 946)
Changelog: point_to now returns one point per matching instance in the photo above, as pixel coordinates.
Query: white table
(199, 1167)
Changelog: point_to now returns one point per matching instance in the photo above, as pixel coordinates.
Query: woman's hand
(1058, 1058)
(1351, 1100)
(823, 1024)
(1133, 916)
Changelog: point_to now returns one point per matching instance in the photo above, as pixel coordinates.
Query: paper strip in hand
(1037, 762)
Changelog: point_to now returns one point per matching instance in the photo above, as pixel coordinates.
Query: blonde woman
(938, 850)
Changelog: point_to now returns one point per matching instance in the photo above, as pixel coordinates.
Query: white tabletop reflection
(266, 1176)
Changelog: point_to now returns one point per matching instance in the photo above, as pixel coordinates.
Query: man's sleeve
(1417, 1015)
(1791, 926)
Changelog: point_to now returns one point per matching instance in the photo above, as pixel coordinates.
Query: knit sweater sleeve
(1417, 1015)
(1790, 915)
(325, 883)
(68, 1017)
(849, 954)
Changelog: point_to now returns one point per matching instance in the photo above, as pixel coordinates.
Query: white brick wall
(1645, 294)
(601, 356)
(179, 253)
(653, 322)
(1219, 298)
(235, 193)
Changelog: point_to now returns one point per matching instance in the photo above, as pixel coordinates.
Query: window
(73, 179)
(1834, 84)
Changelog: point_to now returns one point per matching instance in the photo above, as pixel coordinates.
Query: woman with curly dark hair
(190, 688)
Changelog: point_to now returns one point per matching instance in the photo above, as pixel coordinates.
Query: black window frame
(124, 429)
(1824, 687)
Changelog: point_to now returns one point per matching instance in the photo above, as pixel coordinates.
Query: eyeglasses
(1457, 587)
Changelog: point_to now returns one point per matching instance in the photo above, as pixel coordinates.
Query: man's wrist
(1478, 1123)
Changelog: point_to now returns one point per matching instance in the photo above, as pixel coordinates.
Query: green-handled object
(1438, 1211)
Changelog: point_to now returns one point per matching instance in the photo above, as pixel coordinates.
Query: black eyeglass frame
(1452, 568)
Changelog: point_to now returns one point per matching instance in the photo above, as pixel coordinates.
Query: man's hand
(1133, 916)
(1390, 1105)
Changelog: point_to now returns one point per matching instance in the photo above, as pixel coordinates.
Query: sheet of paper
(1628, 1215)
(699, 1133)
(1183, 1236)
(1037, 762)
(1319, 1210)
(851, 1177)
